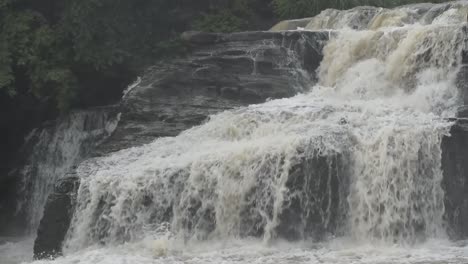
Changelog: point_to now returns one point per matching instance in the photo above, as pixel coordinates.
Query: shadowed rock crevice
(455, 183)
(455, 160)
(58, 211)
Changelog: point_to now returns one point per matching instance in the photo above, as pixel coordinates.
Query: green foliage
(231, 16)
(44, 51)
(288, 9)
(223, 21)
(295, 8)
(170, 48)
(27, 50)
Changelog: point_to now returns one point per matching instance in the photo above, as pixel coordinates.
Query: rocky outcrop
(54, 150)
(455, 183)
(291, 24)
(455, 161)
(318, 208)
(55, 224)
(223, 71)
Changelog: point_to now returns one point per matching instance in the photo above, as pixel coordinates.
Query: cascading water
(56, 150)
(354, 162)
(396, 188)
(51, 153)
(381, 105)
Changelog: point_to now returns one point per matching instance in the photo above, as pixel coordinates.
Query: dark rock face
(223, 71)
(58, 212)
(60, 146)
(462, 81)
(319, 206)
(455, 161)
(455, 183)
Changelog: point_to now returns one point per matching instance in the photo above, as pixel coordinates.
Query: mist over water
(219, 192)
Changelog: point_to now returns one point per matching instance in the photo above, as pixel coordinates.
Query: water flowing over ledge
(375, 121)
(376, 18)
(366, 152)
(224, 71)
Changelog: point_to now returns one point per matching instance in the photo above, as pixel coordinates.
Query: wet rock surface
(455, 182)
(455, 160)
(48, 150)
(55, 224)
(223, 71)
(319, 206)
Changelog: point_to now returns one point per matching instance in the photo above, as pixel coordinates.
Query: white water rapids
(220, 192)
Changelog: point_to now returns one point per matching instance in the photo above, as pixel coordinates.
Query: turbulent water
(355, 162)
(56, 149)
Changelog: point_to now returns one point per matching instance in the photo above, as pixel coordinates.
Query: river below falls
(338, 251)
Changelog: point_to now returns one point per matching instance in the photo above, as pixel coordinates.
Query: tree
(55, 49)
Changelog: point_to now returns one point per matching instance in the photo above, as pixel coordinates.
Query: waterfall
(52, 151)
(349, 170)
(396, 191)
(358, 155)
(375, 18)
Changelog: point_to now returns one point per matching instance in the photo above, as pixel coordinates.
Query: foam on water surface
(252, 251)
(16, 250)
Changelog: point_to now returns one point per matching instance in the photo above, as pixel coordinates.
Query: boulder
(455, 182)
(57, 218)
(455, 160)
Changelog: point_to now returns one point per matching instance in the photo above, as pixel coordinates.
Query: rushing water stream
(373, 124)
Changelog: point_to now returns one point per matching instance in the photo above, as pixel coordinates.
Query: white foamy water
(374, 18)
(57, 149)
(16, 250)
(355, 162)
(381, 107)
(252, 251)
